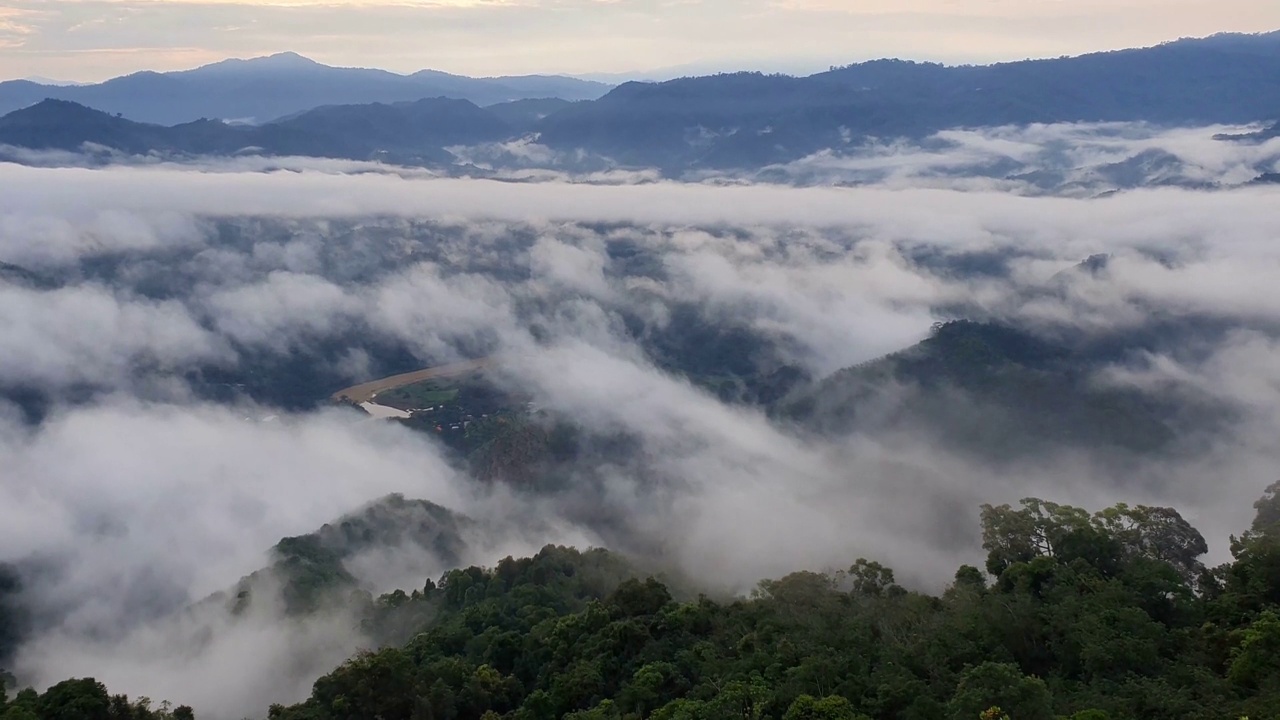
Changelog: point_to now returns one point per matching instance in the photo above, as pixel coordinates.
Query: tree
(1267, 519)
(1000, 685)
(1012, 536)
(580, 685)
(486, 690)
(871, 578)
(651, 687)
(77, 699)
(683, 709)
(832, 707)
(635, 598)
(1045, 529)
(1255, 664)
(537, 706)
(738, 699)
(604, 711)
(1253, 580)
(369, 685)
(1158, 533)
(970, 577)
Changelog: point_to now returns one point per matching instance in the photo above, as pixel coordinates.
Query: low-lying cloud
(136, 285)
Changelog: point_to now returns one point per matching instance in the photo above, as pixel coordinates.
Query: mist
(154, 474)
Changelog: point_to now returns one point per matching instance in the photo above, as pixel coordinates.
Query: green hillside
(1086, 616)
(309, 571)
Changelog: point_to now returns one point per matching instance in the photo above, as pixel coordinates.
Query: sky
(92, 40)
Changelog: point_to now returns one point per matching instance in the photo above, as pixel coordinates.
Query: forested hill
(1028, 394)
(413, 133)
(1078, 615)
(309, 572)
(750, 119)
(1084, 616)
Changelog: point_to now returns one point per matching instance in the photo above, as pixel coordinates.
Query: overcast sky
(96, 39)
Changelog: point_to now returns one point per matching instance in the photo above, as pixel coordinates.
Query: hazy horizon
(798, 68)
(80, 41)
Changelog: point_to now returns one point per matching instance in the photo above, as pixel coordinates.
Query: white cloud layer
(146, 272)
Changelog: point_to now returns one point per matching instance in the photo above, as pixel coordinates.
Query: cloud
(145, 508)
(90, 334)
(581, 290)
(37, 195)
(283, 310)
(1074, 159)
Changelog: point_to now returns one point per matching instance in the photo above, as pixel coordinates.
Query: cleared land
(365, 392)
(421, 395)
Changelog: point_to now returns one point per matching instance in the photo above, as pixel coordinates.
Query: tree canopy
(1081, 615)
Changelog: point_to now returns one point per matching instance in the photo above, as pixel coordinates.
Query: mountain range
(751, 119)
(267, 88)
(411, 133)
(728, 121)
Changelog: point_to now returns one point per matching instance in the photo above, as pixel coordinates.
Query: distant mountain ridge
(736, 121)
(267, 88)
(404, 133)
(750, 119)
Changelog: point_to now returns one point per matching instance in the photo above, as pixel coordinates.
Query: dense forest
(1076, 615)
(1079, 615)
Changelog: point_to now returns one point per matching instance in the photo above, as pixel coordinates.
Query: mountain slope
(750, 119)
(406, 133)
(62, 125)
(313, 570)
(409, 133)
(263, 89)
(524, 114)
(989, 389)
(731, 121)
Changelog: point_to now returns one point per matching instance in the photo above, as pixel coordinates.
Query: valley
(903, 390)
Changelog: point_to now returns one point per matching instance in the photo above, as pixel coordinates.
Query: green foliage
(832, 707)
(1255, 662)
(871, 578)
(1104, 540)
(1003, 686)
(1267, 520)
(85, 699)
(308, 571)
(82, 699)
(426, 394)
(1095, 615)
